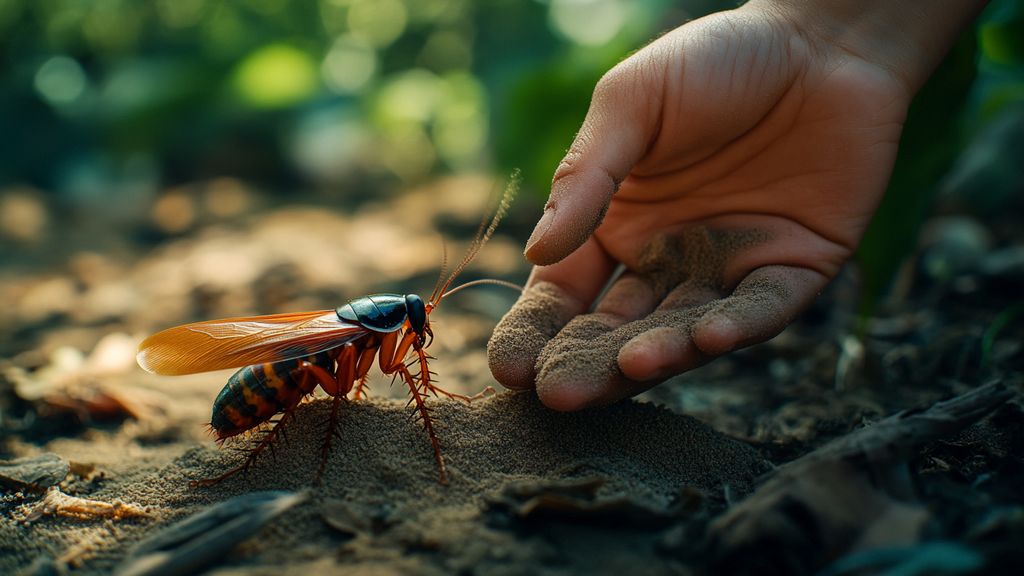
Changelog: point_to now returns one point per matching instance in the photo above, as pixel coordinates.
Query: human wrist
(906, 38)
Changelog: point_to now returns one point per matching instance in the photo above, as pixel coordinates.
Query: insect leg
(432, 387)
(387, 349)
(428, 423)
(332, 432)
(361, 388)
(264, 443)
(418, 391)
(336, 385)
(322, 377)
(345, 373)
(395, 355)
(435, 389)
(366, 356)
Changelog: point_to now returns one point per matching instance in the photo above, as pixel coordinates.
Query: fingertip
(564, 396)
(537, 256)
(512, 351)
(523, 332)
(542, 255)
(656, 354)
(581, 367)
(761, 306)
(508, 372)
(639, 359)
(717, 335)
(579, 200)
(575, 371)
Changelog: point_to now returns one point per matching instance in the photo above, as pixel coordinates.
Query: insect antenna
(472, 283)
(441, 273)
(483, 234)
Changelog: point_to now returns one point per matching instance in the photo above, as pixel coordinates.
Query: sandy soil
(619, 489)
(640, 456)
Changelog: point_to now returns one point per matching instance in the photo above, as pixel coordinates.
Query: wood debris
(852, 493)
(58, 504)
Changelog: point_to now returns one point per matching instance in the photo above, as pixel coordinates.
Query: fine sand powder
(383, 469)
(681, 271)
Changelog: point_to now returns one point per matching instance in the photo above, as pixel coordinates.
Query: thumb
(615, 134)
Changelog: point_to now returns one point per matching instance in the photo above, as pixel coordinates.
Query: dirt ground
(656, 485)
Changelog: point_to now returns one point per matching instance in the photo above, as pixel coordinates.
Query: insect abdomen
(255, 393)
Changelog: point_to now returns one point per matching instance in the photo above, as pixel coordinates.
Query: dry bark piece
(202, 539)
(33, 473)
(57, 503)
(849, 494)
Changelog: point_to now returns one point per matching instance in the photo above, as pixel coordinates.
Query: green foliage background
(954, 143)
(109, 102)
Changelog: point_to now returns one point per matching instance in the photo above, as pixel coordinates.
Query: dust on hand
(523, 332)
(679, 270)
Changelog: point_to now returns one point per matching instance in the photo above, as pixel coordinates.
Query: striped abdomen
(255, 393)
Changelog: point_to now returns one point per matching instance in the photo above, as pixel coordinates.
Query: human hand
(731, 166)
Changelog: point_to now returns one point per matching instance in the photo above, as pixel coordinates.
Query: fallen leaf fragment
(204, 538)
(578, 500)
(33, 473)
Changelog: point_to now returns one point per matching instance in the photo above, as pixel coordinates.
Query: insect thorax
(378, 312)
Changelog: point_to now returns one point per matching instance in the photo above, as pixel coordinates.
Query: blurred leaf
(963, 109)
(542, 113)
(543, 106)
(930, 142)
(1002, 33)
(1003, 43)
(988, 339)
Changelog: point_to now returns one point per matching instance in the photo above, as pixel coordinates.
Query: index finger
(554, 295)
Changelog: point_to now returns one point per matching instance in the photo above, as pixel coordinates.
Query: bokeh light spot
(408, 152)
(23, 216)
(349, 65)
(446, 50)
(180, 13)
(587, 22)
(380, 22)
(327, 144)
(460, 129)
(227, 197)
(275, 76)
(412, 95)
(60, 80)
(174, 212)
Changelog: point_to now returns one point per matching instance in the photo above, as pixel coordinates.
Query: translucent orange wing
(237, 342)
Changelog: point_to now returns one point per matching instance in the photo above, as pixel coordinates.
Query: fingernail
(542, 226)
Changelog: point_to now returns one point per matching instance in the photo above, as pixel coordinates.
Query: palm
(797, 147)
(764, 151)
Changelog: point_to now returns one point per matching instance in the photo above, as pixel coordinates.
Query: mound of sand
(382, 473)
